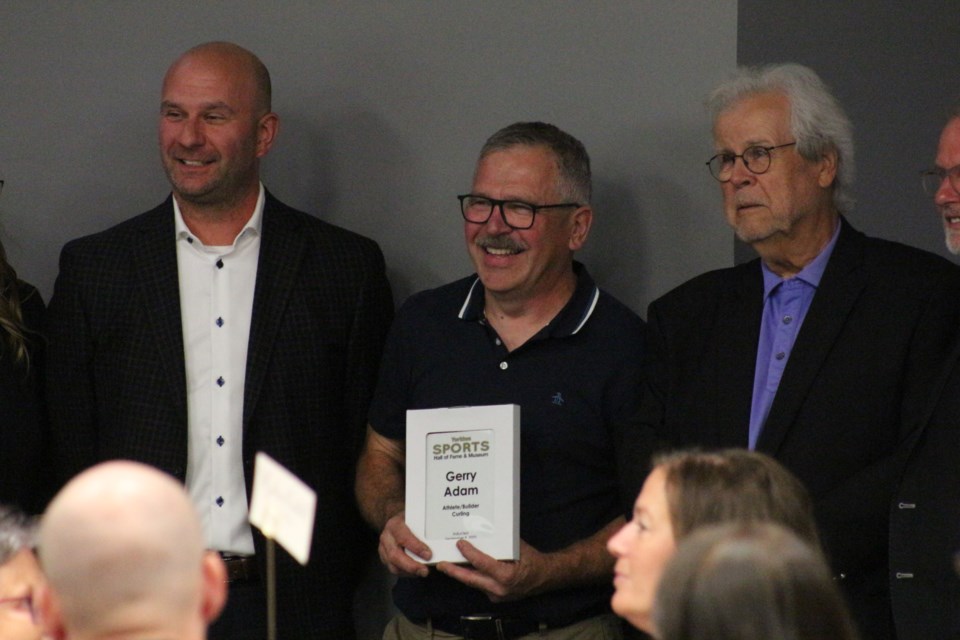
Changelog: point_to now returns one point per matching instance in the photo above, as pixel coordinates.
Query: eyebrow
(209, 106)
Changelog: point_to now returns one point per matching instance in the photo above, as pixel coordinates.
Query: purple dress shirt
(785, 305)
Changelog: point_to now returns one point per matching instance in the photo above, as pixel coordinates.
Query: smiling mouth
(494, 251)
(194, 163)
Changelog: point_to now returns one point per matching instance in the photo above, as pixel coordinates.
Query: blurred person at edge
(20, 577)
(21, 361)
(925, 514)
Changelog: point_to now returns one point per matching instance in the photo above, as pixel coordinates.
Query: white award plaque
(463, 480)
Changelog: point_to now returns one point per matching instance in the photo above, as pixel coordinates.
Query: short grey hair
(573, 163)
(17, 532)
(817, 120)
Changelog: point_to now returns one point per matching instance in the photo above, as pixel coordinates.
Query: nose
(497, 222)
(191, 133)
(616, 541)
(740, 175)
(946, 193)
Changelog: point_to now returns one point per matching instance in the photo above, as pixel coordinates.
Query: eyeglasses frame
(744, 160)
(494, 204)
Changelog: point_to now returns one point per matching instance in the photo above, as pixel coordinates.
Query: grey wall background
(383, 108)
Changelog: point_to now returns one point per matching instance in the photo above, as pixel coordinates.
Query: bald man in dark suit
(219, 324)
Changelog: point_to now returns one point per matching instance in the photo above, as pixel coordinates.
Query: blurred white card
(283, 507)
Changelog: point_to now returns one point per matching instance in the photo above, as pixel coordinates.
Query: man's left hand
(500, 580)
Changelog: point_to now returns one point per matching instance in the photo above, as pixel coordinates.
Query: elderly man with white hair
(123, 552)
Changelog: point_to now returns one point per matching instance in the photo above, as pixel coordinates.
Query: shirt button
(219, 322)
(219, 264)
(781, 356)
(497, 341)
(787, 319)
(221, 381)
(220, 501)
(220, 441)
(503, 366)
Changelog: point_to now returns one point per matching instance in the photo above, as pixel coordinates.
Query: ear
(829, 162)
(213, 595)
(580, 221)
(47, 608)
(267, 128)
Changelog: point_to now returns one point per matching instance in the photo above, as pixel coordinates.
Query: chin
(953, 243)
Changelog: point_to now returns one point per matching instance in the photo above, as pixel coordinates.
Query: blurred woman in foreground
(688, 490)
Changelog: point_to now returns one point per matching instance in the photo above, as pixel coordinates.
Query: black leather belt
(485, 627)
(241, 568)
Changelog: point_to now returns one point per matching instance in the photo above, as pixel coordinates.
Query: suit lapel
(842, 282)
(736, 344)
(281, 250)
(156, 262)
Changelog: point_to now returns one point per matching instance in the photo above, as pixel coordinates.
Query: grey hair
(573, 163)
(17, 531)
(817, 120)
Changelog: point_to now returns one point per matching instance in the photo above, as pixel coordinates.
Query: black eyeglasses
(756, 159)
(517, 214)
(932, 179)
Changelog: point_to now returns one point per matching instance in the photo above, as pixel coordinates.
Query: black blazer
(321, 309)
(925, 522)
(22, 476)
(877, 330)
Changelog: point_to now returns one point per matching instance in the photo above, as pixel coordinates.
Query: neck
(787, 255)
(516, 320)
(218, 225)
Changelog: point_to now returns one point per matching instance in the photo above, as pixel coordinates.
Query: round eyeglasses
(755, 158)
(515, 213)
(932, 179)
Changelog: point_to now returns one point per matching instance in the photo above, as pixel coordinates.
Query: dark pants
(245, 616)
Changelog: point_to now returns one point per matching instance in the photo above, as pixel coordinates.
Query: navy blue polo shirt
(574, 381)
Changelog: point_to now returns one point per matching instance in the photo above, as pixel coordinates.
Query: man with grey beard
(530, 328)
(925, 517)
(943, 181)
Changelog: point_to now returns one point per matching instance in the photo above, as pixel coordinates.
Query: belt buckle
(482, 627)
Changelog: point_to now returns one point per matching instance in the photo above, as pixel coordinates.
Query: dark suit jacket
(925, 522)
(877, 330)
(321, 309)
(21, 413)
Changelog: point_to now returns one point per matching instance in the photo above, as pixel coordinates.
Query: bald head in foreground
(122, 547)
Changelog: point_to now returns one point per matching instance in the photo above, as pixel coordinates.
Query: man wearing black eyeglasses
(821, 352)
(925, 517)
(530, 328)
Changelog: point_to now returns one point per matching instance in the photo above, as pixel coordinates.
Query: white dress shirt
(216, 304)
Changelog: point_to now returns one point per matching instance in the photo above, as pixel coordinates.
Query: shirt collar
(568, 322)
(253, 226)
(810, 274)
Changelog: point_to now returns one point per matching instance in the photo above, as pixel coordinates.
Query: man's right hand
(395, 539)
